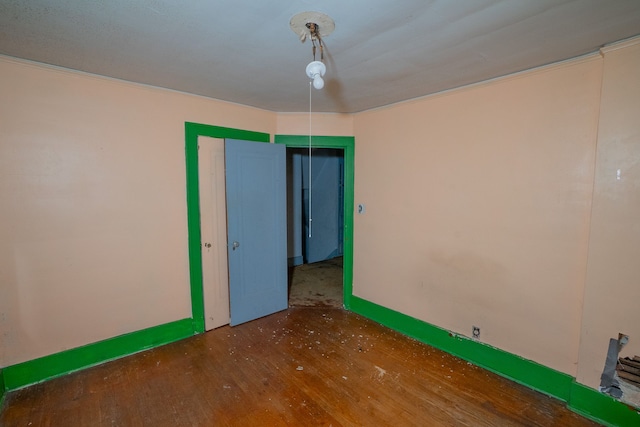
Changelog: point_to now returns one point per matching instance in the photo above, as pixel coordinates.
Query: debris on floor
(629, 369)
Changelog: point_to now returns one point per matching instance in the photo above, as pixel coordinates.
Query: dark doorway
(315, 203)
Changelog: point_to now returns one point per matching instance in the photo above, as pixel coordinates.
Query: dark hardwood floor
(301, 367)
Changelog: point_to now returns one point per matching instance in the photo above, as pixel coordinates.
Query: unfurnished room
(319, 213)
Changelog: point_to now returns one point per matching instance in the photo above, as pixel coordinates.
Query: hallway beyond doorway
(316, 285)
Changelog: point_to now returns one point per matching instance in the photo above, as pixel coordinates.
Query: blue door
(256, 229)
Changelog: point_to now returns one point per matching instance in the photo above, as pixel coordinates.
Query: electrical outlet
(475, 332)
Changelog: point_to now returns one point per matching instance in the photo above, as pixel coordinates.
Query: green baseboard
(58, 364)
(3, 389)
(602, 408)
(516, 368)
(581, 399)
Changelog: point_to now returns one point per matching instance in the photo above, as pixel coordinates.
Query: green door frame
(346, 143)
(192, 131)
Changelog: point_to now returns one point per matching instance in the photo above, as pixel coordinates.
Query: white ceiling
(381, 51)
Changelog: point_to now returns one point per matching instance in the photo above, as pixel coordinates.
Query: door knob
(207, 245)
(235, 245)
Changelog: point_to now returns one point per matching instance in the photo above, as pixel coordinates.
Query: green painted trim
(523, 371)
(192, 131)
(3, 389)
(581, 399)
(600, 407)
(65, 362)
(346, 143)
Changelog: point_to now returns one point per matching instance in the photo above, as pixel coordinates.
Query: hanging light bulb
(305, 25)
(318, 82)
(315, 71)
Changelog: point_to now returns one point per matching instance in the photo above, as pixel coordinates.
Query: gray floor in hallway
(316, 285)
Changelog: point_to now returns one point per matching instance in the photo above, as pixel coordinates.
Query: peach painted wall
(613, 276)
(477, 208)
(321, 124)
(93, 205)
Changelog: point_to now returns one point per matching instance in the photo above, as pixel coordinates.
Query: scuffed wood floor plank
(300, 367)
